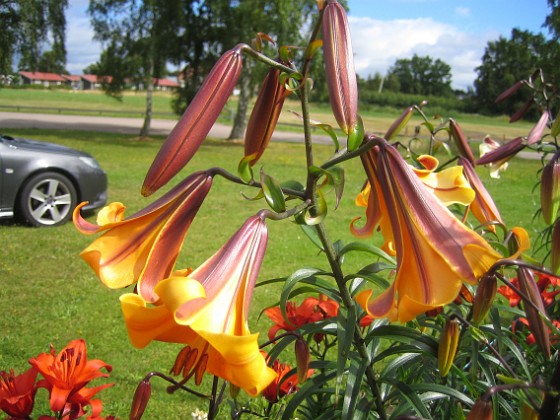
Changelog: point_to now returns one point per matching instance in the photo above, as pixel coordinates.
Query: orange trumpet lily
(207, 310)
(67, 374)
(435, 252)
(144, 247)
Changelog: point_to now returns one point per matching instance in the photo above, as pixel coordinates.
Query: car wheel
(47, 199)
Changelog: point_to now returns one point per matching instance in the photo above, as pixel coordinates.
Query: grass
(133, 104)
(49, 295)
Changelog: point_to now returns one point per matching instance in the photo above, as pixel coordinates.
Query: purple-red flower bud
(483, 298)
(537, 131)
(196, 122)
(264, 116)
(461, 141)
(481, 410)
(339, 67)
(140, 400)
(448, 342)
(510, 91)
(521, 112)
(303, 358)
(503, 153)
(530, 291)
(399, 123)
(550, 189)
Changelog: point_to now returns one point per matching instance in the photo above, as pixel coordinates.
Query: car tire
(47, 199)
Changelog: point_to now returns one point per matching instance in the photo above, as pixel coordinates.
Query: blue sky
(455, 31)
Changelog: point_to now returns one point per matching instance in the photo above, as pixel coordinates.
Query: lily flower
(67, 374)
(17, 393)
(339, 67)
(483, 206)
(461, 141)
(283, 384)
(435, 252)
(311, 310)
(449, 185)
(207, 310)
(264, 116)
(143, 248)
(195, 124)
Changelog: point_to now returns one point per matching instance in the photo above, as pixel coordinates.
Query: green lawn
(49, 295)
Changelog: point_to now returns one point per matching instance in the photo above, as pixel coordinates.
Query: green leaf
(291, 281)
(316, 214)
(327, 128)
(411, 397)
(311, 233)
(333, 176)
(312, 48)
(356, 137)
(272, 193)
(244, 168)
(371, 249)
(555, 129)
(317, 384)
(356, 373)
(293, 185)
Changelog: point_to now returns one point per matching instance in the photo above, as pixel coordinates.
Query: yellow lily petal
(144, 247)
(208, 311)
(436, 253)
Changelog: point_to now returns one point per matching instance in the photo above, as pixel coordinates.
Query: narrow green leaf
(273, 193)
(291, 281)
(371, 249)
(356, 137)
(356, 373)
(311, 233)
(555, 129)
(316, 214)
(244, 168)
(410, 396)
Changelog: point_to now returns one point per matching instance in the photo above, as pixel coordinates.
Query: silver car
(41, 183)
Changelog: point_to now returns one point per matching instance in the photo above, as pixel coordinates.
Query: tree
(507, 61)
(230, 22)
(137, 35)
(27, 25)
(422, 75)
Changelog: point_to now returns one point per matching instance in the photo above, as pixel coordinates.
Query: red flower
(66, 376)
(531, 337)
(283, 384)
(311, 310)
(545, 283)
(17, 393)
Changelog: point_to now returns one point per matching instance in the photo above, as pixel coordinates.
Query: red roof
(71, 77)
(165, 83)
(44, 77)
(94, 78)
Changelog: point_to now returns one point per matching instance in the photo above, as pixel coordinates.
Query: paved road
(120, 125)
(132, 126)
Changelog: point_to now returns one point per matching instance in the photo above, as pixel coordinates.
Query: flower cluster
(65, 376)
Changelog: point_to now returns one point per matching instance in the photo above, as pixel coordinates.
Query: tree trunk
(145, 131)
(245, 93)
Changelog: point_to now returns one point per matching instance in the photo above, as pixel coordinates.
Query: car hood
(40, 146)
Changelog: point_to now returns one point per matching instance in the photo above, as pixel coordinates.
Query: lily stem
(359, 341)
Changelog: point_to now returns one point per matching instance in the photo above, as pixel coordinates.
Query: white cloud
(378, 44)
(81, 49)
(463, 11)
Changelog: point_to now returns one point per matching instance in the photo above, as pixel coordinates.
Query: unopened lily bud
(550, 189)
(521, 112)
(481, 410)
(503, 153)
(461, 141)
(339, 67)
(264, 116)
(555, 249)
(196, 122)
(483, 298)
(537, 131)
(448, 342)
(399, 123)
(510, 91)
(140, 400)
(303, 358)
(530, 291)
